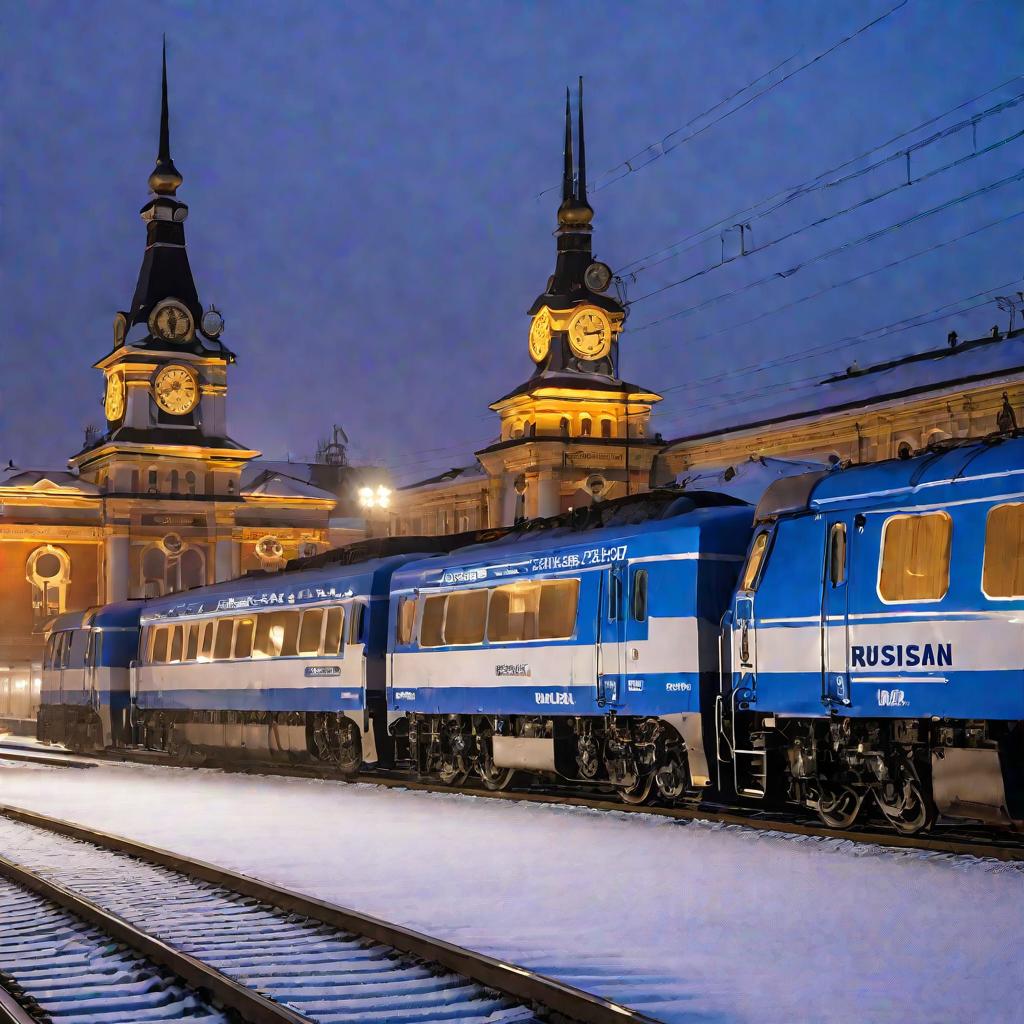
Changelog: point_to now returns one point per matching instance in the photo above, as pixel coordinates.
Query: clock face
(171, 321)
(113, 400)
(120, 327)
(540, 336)
(597, 277)
(590, 333)
(176, 390)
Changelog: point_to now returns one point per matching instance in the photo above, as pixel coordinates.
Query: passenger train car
(85, 694)
(856, 642)
(286, 666)
(877, 639)
(587, 653)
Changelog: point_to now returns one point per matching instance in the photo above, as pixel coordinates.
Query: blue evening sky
(363, 178)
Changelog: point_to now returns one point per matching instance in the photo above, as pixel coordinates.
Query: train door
(611, 620)
(835, 647)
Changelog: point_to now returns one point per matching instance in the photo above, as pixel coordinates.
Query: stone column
(508, 501)
(549, 496)
(117, 567)
(226, 559)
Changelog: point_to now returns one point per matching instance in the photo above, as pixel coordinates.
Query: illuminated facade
(163, 499)
(574, 431)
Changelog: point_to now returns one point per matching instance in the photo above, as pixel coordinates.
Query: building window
(151, 480)
(170, 566)
(1003, 572)
(173, 482)
(563, 426)
(606, 427)
(270, 552)
(915, 557)
(586, 426)
(190, 482)
(48, 571)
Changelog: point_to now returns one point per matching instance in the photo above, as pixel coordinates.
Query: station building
(163, 498)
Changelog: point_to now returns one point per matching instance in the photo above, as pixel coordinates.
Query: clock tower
(574, 431)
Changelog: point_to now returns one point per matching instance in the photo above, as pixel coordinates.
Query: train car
(877, 639)
(85, 696)
(579, 652)
(280, 666)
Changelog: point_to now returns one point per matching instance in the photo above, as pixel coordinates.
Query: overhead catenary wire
(836, 250)
(822, 180)
(664, 146)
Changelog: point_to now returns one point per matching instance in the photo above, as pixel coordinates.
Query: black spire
(568, 189)
(581, 177)
(165, 178)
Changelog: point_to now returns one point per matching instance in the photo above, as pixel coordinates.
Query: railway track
(272, 955)
(952, 839)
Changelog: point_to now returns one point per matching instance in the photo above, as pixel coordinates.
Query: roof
(748, 480)
(894, 480)
(462, 473)
(50, 480)
(577, 381)
(918, 374)
(277, 485)
(187, 437)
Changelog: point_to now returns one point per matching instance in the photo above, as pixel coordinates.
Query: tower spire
(568, 190)
(165, 178)
(581, 178)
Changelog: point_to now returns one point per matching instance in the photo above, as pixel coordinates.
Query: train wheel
(335, 740)
(839, 810)
(496, 778)
(639, 792)
(911, 814)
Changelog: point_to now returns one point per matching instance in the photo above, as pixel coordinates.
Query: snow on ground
(687, 922)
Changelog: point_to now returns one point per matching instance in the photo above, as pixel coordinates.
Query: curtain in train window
(1003, 574)
(192, 641)
(557, 612)
(915, 557)
(465, 617)
(513, 613)
(406, 620)
(334, 631)
(159, 649)
(206, 645)
(222, 644)
(243, 637)
(433, 618)
(309, 634)
(176, 644)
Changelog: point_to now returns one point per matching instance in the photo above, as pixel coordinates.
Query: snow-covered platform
(687, 922)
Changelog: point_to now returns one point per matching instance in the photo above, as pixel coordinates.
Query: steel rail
(789, 824)
(11, 1011)
(566, 1001)
(250, 1005)
(50, 760)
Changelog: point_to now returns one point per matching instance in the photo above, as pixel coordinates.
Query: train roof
(261, 591)
(697, 521)
(70, 620)
(120, 615)
(892, 481)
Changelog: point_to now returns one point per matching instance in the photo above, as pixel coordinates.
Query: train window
(95, 648)
(206, 641)
(465, 617)
(244, 629)
(513, 613)
(176, 644)
(334, 631)
(309, 633)
(222, 644)
(406, 620)
(915, 557)
(558, 601)
(1003, 572)
(640, 595)
(158, 645)
(433, 618)
(276, 635)
(754, 561)
(191, 641)
(614, 596)
(357, 613)
(837, 555)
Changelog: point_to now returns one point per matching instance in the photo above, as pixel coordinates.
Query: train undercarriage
(910, 770)
(637, 757)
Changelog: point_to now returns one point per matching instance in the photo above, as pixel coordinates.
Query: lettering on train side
(892, 699)
(900, 655)
(678, 687)
(405, 694)
(512, 670)
(553, 698)
(320, 671)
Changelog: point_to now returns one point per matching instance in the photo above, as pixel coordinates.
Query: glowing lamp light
(375, 498)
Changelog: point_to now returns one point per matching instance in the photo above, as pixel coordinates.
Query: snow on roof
(461, 473)
(989, 358)
(277, 485)
(49, 480)
(747, 480)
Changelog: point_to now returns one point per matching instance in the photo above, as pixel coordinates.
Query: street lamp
(379, 497)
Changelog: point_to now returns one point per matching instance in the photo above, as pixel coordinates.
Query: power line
(836, 250)
(874, 334)
(663, 147)
(825, 180)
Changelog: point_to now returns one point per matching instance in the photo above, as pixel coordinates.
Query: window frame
(881, 554)
(768, 533)
(639, 575)
(984, 553)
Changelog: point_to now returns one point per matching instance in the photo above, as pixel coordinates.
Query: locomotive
(854, 641)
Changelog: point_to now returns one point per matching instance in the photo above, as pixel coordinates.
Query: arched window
(586, 426)
(48, 571)
(151, 480)
(606, 427)
(191, 569)
(173, 482)
(170, 566)
(190, 482)
(564, 425)
(135, 481)
(517, 429)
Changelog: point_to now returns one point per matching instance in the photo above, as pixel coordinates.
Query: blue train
(855, 641)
